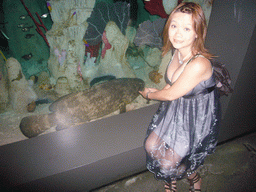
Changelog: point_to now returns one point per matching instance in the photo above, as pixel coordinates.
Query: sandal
(170, 186)
(192, 181)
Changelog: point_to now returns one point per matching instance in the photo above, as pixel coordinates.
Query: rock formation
(67, 48)
(114, 61)
(21, 94)
(4, 96)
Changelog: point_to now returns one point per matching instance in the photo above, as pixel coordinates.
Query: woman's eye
(187, 29)
(173, 26)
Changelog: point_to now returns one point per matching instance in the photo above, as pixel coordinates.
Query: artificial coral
(79, 71)
(103, 12)
(61, 56)
(155, 76)
(38, 29)
(107, 45)
(155, 7)
(93, 50)
(149, 33)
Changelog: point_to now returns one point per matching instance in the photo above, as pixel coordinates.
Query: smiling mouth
(178, 41)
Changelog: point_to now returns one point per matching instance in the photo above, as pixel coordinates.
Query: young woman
(185, 127)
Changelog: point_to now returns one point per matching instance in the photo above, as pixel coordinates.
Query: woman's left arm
(196, 71)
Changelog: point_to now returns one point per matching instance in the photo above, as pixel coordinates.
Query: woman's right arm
(154, 89)
(167, 86)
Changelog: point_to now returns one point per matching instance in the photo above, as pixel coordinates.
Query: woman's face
(181, 32)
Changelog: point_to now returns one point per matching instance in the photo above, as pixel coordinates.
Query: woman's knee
(149, 146)
(151, 142)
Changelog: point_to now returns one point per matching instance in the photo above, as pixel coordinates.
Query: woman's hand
(145, 93)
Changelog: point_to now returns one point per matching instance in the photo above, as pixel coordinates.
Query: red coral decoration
(37, 24)
(93, 50)
(107, 45)
(155, 7)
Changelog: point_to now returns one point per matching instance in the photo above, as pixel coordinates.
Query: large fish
(80, 107)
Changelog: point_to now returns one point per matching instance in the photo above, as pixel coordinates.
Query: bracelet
(147, 94)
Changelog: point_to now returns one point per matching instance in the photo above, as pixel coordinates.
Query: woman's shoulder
(200, 62)
(201, 66)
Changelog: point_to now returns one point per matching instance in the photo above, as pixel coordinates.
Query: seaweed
(102, 13)
(155, 7)
(134, 51)
(149, 33)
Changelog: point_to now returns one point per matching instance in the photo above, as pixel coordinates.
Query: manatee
(80, 107)
(98, 80)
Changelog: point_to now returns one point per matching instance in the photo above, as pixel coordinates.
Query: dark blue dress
(183, 132)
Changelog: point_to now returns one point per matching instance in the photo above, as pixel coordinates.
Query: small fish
(49, 6)
(27, 57)
(28, 36)
(22, 25)
(22, 17)
(26, 29)
(44, 15)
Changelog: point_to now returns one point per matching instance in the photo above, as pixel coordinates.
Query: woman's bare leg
(171, 187)
(158, 150)
(195, 181)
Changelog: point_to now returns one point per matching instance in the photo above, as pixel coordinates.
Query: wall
(232, 37)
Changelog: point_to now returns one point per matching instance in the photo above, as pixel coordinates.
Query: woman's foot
(170, 187)
(195, 182)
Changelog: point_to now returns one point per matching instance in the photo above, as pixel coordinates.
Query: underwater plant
(38, 29)
(155, 7)
(134, 51)
(102, 13)
(149, 33)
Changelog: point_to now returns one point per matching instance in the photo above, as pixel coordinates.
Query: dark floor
(232, 168)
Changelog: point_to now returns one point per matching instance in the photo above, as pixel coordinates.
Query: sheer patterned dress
(183, 132)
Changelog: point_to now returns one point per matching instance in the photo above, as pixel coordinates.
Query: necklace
(181, 61)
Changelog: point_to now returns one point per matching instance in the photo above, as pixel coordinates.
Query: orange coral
(155, 76)
(45, 87)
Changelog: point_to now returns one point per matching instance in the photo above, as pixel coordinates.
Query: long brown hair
(199, 25)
